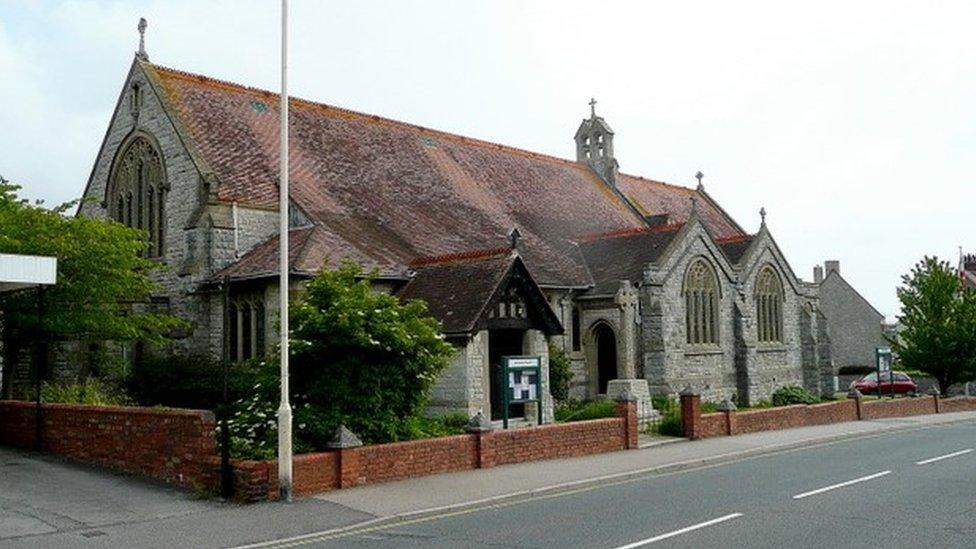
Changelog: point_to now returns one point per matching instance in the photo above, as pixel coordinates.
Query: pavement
(48, 503)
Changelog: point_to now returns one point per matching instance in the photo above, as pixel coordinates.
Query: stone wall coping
(205, 415)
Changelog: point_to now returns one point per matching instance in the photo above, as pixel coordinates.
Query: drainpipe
(233, 210)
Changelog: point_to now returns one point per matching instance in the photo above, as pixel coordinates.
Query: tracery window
(769, 306)
(701, 303)
(245, 330)
(137, 192)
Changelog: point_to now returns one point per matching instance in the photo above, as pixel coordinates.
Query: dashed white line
(685, 530)
(841, 485)
(947, 456)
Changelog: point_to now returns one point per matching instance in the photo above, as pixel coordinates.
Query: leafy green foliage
(670, 422)
(90, 392)
(360, 358)
(581, 410)
(101, 269)
(793, 394)
(560, 374)
(938, 315)
(708, 407)
(188, 381)
(438, 426)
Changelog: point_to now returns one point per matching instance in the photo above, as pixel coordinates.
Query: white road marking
(692, 528)
(841, 485)
(947, 456)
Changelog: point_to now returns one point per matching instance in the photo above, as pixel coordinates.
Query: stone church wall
(670, 362)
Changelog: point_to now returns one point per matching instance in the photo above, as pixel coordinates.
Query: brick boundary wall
(728, 423)
(175, 446)
(347, 467)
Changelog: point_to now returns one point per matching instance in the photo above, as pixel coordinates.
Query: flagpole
(284, 409)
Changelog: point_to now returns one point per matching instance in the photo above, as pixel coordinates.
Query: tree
(362, 358)
(560, 373)
(939, 323)
(101, 274)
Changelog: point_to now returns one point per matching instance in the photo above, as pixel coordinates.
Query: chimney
(833, 266)
(818, 274)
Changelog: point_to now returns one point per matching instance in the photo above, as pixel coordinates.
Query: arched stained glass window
(769, 306)
(701, 303)
(137, 191)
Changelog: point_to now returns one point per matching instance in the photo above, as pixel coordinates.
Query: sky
(852, 123)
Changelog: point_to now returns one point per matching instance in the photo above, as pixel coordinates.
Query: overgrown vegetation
(938, 315)
(360, 358)
(793, 394)
(580, 410)
(670, 422)
(90, 392)
(560, 374)
(101, 271)
(192, 381)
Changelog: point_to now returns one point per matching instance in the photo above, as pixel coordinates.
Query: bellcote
(594, 146)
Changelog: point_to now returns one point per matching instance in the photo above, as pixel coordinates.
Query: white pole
(284, 409)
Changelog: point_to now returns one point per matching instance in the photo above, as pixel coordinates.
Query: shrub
(560, 374)
(438, 426)
(192, 381)
(670, 422)
(91, 392)
(708, 407)
(580, 410)
(793, 394)
(360, 358)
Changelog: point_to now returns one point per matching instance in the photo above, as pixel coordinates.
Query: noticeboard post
(521, 382)
(882, 359)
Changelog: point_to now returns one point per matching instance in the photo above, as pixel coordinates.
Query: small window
(245, 329)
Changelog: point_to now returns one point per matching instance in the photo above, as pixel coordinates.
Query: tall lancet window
(769, 306)
(701, 303)
(137, 192)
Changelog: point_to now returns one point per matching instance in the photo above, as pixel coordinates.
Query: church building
(648, 287)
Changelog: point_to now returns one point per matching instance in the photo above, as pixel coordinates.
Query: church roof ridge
(734, 239)
(662, 228)
(488, 253)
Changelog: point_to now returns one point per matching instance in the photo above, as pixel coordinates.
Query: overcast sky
(853, 123)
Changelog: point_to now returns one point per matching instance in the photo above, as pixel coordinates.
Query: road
(907, 489)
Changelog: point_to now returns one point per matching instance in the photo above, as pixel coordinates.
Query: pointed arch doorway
(606, 356)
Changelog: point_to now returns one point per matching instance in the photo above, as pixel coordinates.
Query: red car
(903, 385)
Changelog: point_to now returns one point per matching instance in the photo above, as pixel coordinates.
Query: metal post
(40, 370)
(284, 409)
(226, 472)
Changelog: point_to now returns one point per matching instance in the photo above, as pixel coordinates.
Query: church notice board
(521, 379)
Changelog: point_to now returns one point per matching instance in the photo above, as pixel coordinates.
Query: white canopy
(24, 271)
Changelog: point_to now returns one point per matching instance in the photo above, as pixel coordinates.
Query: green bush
(438, 426)
(91, 392)
(670, 422)
(191, 381)
(360, 358)
(708, 407)
(560, 374)
(580, 410)
(793, 394)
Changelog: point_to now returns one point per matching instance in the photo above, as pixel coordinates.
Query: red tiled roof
(655, 198)
(624, 256)
(385, 193)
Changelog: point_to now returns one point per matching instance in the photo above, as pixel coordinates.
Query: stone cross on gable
(699, 177)
(762, 214)
(592, 108)
(142, 38)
